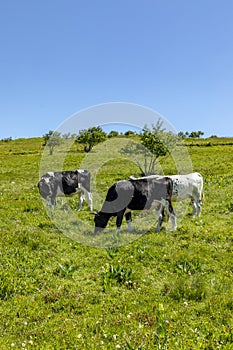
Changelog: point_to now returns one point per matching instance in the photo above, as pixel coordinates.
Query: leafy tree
(113, 133)
(193, 134)
(52, 139)
(158, 142)
(7, 139)
(154, 143)
(196, 134)
(91, 137)
(181, 135)
(129, 132)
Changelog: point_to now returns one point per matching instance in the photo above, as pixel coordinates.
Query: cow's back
(149, 190)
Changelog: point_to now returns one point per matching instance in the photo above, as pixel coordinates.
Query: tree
(139, 154)
(158, 142)
(52, 139)
(129, 133)
(181, 135)
(91, 137)
(196, 134)
(154, 143)
(113, 133)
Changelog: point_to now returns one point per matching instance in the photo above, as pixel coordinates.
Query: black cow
(66, 183)
(135, 194)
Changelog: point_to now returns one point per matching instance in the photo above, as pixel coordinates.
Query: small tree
(129, 133)
(196, 134)
(113, 133)
(158, 142)
(181, 135)
(154, 143)
(52, 139)
(91, 137)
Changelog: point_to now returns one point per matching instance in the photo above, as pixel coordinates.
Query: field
(167, 290)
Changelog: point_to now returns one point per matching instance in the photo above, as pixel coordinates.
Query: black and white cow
(186, 186)
(135, 194)
(66, 183)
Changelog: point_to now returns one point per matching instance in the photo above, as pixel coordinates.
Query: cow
(66, 183)
(186, 186)
(135, 194)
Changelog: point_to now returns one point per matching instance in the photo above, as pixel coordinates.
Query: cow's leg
(194, 205)
(173, 220)
(88, 196)
(52, 202)
(199, 207)
(119, 219)
(158, 209)
(171, 214)
(198, 203)
(52, 205)
(128, 217)
(160, 213)
(89, 199)
(196, 199)
(81, 200)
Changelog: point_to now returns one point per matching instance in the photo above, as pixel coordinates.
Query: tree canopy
(91, 137)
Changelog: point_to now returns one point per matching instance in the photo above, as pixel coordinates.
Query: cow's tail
(202, 195)
(89, 181)
(202, 188)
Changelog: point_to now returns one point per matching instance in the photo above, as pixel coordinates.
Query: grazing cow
(135, 194)
(66, 183)
(186, 186)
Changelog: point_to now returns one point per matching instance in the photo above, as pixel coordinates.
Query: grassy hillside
(166, 290)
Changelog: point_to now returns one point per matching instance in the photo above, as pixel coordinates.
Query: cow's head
(101, 220)
(44, 188)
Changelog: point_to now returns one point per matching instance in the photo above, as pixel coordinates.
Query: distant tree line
(193, 134)
(87, 137)
(7, 139)
(93, 135)
(151, 143)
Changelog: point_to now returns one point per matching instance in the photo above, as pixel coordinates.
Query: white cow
(187, 186)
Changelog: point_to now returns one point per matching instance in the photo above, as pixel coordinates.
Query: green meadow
(141, 290)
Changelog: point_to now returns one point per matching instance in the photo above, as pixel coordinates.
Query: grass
(171, 290)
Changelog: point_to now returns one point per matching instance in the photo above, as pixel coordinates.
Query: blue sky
(62, 56)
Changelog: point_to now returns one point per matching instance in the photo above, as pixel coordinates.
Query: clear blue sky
(62, 56)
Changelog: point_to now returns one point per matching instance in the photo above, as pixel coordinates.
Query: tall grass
(171, 290)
